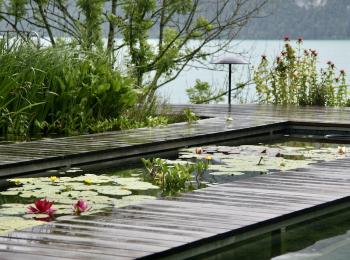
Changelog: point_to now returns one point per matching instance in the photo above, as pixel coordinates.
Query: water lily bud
(198, 150)
(53, 178)
(208, 158)
(88, 181)
(80, 206)
(341, 150)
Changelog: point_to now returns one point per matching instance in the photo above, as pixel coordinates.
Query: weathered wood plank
(158, 226)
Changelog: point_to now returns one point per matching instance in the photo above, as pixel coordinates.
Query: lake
(336, 51)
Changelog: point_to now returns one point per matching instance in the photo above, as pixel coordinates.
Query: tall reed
(58, 89)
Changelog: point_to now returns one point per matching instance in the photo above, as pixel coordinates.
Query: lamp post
(229, 59)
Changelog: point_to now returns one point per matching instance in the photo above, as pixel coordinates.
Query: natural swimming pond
(325, 237)
(107, 191)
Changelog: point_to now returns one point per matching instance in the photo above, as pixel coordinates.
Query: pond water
(326, 237)
(105, 191)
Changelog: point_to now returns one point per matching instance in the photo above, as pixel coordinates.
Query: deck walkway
(46, 154)
(166, 228)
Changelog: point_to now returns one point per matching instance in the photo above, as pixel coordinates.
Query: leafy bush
(201, 93)
(190, 116)
(293, 78)
(58, 89)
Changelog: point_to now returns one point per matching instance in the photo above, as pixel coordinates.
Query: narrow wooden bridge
(196, 222)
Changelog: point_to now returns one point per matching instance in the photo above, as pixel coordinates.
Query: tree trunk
(47, 25)
(111, 33)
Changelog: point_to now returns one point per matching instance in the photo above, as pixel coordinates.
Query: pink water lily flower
(42, 206)
(80, 206)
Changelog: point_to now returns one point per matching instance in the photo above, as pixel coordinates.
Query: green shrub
(59, 89)
(190, 116)
(293, 78)
(202, 93)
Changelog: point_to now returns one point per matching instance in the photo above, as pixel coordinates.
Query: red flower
(80, 206)
(42, 206)
(286, 38)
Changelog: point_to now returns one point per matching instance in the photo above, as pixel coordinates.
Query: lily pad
(227, 173)
(10, 192)
(132, 200)
(8, 224)
(114, 191)
(15, 210)
(135, 184)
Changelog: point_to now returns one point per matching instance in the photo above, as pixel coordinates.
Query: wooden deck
(167, 228)
(46, 154)
(170, 227)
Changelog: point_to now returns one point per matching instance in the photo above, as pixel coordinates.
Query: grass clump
(59, 89)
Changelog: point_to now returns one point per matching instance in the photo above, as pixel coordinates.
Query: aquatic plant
(198, 150)
(80, 206)
(88, 181)
(200, 168)
(191, 117)
(341, 150)
(229, 163)
(53, 178)
(175, 176)
(71, 196)
(42, 206)
(293, 77)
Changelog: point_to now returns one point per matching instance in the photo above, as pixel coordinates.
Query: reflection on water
(333, 230)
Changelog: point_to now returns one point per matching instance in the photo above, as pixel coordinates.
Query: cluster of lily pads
(229, 163)
(87, 194)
